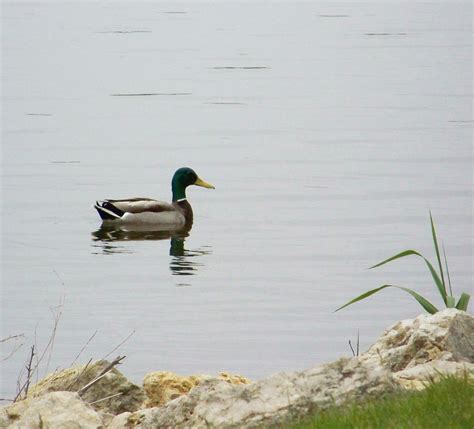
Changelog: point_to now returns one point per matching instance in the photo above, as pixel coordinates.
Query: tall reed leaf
(435, 241)
(447, 271)
(439, 283)
(399, 255)
(438, 278)
(463, 301)
(430, 308)
(451, 302)
(434, 274)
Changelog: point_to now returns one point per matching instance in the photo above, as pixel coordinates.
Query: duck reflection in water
(183, 261)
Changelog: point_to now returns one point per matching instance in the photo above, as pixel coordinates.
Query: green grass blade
(430, 308)
(447, 271)
(463, 301)
(399, 255)
(439, 283)
(434, 274)
(451, 302)
(361, 297)
(435, 241)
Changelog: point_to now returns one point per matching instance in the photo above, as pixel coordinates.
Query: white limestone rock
(215, 403)
(58, 410)
(424, 348)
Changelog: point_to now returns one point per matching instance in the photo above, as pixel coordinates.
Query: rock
(423, 348)
(58, 410)
(129, 396)
(216, 403)
(233, 378)
(162, 386)
(407, 354)
(419, 376)
(126, 420)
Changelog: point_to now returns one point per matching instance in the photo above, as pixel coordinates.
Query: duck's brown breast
(185, 208)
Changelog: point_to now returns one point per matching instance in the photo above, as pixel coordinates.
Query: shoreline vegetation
(420, 370)
(444, 287)
(447, 403)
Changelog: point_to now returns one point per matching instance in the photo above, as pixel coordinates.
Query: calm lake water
(329, 131)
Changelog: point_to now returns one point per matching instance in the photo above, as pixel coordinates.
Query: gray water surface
(329, 131)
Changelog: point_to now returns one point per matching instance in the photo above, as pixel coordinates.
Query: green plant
(438, 278)
(446, 403)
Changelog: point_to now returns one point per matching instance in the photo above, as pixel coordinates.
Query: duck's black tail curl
(107, 211)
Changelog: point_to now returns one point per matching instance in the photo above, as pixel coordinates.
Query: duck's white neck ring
(181, 199)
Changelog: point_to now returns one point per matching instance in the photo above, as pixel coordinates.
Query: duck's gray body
(145, 211)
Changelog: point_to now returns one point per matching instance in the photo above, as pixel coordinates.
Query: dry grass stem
(15, 348)
(28, 370)
(119, 345)
(50, 345)
(76, 380)
(84, 347)
(107, 397)
(29, 374)
(11, 337)
(32, 368)
(104, 372)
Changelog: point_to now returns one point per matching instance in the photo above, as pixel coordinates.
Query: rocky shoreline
(97, 395)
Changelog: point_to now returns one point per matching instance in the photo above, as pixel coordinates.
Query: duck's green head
(182, 178)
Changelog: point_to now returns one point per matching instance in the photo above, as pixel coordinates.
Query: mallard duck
(148, 211)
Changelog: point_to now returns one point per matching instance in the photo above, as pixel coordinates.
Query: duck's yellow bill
(200, 182)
